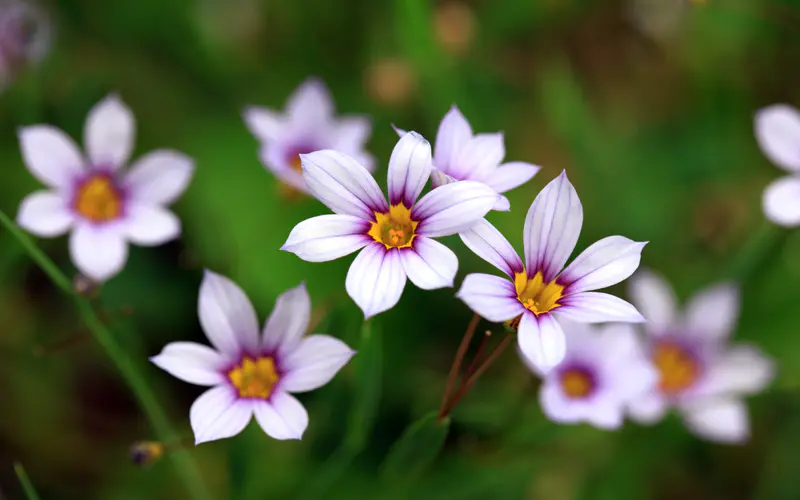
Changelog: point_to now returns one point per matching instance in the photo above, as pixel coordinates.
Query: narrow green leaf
(24, 480)
(416, 449)
(367, 391)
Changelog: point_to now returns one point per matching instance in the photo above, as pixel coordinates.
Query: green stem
(763, 244)
(24, 480)
(183, 462)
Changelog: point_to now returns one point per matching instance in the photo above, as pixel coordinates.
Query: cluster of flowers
(592, 374)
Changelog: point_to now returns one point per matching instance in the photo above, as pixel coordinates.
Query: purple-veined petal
(314, 363)
(454, 131)
(98, 252)
(453, 208)
(541, 340)
(781, 201)
(109, 133)
(653, 296)
(552, 227)
(502, 204)
(605, 263)
(376, 279)
(409, 169)
(51, 156)
(711, 314)
(265, 124)
(741, 370)
(327, 237)
(479, 157)
(648, 408)
(227, 316)
(282, 417)
(439, 178)
(159, 177)
(352, 132)
(310, 103)
(492, 297)
(288, 321)
(45, 213)
(490, 245)
(510, 175)
(219, 414)
(722, 420)
(596, 307)
(778, 134)
(150, 225)
(429, 264)
(342, 184)
(191, 362)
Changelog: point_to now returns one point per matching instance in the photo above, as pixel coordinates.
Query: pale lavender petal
(712, 313)
(265, 124)
(159, 177)
(191, 362)
(219, 414)
(98, 252)
(541, 340)
(653, 296)
(502, 204)
(45, 213)
(51, 156)
(605, 263)
(453, 208)
(310, 104)
(342, 184)
(721, 420)
(454, 131)
(352, 132)
(439, 178)
(274, 159)
(429, 264)
(376, 279)
(552, 227)
(492, 297)
(490, 245)
(327, 237)
(648, 408)
(227, 316)
(282, 417)
(409, 169)
(606, 414)
(288, 321)
(150, 225)
(781, 201)
(596, 307)
(109, 133)
(556, 406)
(778, 134)
(741, 370)
(510, 175)
(478, 157)
(314, 363)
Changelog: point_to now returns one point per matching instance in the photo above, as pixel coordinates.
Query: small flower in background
(307, 125)
(396, 237)
(539, 292)
(777, 129)
(25, 34)
(144, 453)
(454, 26)
(604, 368)
(391, 81)
(460, 155)
(699, 373)
(252, 374)
(105, 206)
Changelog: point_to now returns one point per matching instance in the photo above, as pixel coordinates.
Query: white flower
(777, 130)
(252, 374)
(604, 369)
(700, 374)
(105, 206)
(539, 291)
(308, 125)
(460, 155)
(396, 237)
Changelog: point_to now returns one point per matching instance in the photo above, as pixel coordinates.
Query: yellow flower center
(678, 368)
(296, 163)
(394, 229)
(576, 383)
(98, 199)
(254, 378)
(536, 295)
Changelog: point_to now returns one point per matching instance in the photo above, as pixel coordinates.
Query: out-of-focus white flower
(699, 373)
(25, 33)
(104, 205)
(252, 374)
(542, 289)
(307, 125)
(777, 130)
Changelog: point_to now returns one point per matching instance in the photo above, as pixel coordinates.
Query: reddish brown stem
(462, 350)
(478, 354)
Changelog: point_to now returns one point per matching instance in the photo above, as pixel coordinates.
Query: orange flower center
(677, 366)
(394, 229)
(577, 383)
(254, 378)
(296, 163)
(536, 295)
(98, 199)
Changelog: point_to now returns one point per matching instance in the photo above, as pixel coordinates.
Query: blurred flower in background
(25, 35)
(454, 25)
(777, 130)
(391, 81)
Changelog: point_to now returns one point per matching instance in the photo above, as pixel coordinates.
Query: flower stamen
(536, 295)
(254, 378)
(98, 199)
(678, 367)
(394, 229)
(577, 383)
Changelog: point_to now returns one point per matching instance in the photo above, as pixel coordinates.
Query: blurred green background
(650, 114)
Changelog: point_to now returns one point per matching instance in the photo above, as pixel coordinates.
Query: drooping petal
(778, 133)
(191, 362)
(376, 279)
(719, 419)
(555, 406)
(109, 133)
(282, 417)
(265, 124)
(541, 340)
(159, 177)
(51, 156)
(479, 157)
(653, 296)
(781, 202)
(342, 184)
(490, 245)
(327, 237)
(492, 297)
(453, 208)
(429, 264)
(552, 227)
(742, 370)
(605, 263)
(219, 414)
(288, 321)
(150, 225)
(510, 175)
(596, 307)
(227, 316)
(454, 131)
(409, 169)
(712, 313)
(352, 132)
(314, 363)
(648, 408)
(45, 213)
(98, 252)
(310, 103)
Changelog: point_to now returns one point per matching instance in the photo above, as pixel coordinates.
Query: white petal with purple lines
(219, 414)
(376, 279)
(492, 297)
(454, 131)
(604, 263)
(541, 340)
(453, 208)
(45, 213)
(288, 321)
(510, 175)
(596, 307)
(109, 133)
(489, 244)
(429, 264)
(314, 363)
(327, 237)
(409, 169)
